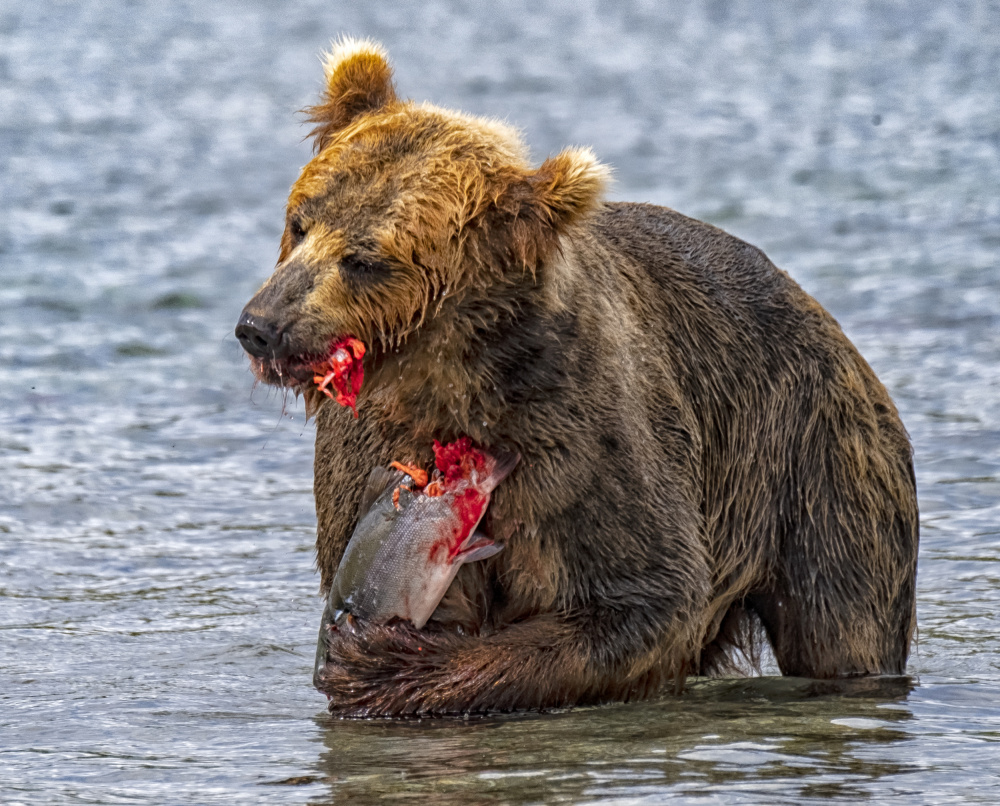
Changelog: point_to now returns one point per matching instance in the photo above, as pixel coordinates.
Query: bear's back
(677, 251)
(717, 303)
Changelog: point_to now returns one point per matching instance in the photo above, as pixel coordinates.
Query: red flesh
(469, 507)
(456, 461)
(343, 370)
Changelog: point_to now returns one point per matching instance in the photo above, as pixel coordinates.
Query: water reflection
(721, 739)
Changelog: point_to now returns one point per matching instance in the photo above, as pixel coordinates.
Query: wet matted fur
(702, 447)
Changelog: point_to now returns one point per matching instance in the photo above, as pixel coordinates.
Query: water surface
(157, 592)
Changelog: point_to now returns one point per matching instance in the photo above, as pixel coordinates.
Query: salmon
(410, 541)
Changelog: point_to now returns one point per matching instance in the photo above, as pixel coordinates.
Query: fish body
(409, 544)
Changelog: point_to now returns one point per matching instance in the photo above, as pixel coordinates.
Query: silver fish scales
(408, 546)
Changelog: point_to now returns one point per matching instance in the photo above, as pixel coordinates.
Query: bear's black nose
(261, 337)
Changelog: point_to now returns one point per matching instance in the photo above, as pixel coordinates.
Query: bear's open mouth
(338, 373)
(342, 371)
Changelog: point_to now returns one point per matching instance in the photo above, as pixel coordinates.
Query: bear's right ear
(358, 80)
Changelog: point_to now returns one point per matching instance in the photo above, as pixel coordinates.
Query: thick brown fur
(702, 447)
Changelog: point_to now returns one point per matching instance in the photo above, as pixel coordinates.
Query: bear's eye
(297, 230)
(359, 268)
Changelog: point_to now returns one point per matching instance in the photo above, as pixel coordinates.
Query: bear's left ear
(568, 186)
(358, 80)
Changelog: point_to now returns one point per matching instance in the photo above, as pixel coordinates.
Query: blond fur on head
(506, 139)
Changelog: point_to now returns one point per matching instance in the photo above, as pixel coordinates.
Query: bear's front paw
(376, 669)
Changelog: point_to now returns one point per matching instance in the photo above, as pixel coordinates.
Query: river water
(158, 600)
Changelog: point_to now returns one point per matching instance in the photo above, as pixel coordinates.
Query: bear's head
(412, 226)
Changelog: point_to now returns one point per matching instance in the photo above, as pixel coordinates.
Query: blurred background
(158, 598)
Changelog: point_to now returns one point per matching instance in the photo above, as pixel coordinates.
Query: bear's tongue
(342, 369)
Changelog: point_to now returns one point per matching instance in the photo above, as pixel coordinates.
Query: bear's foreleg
(548, 661)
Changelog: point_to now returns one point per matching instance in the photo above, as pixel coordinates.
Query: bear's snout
(262, 337)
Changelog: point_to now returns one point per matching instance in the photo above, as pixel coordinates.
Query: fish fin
(505, 462)
(479, 548)
(379, 480)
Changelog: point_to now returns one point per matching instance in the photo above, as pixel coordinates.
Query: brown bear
(703, 450)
